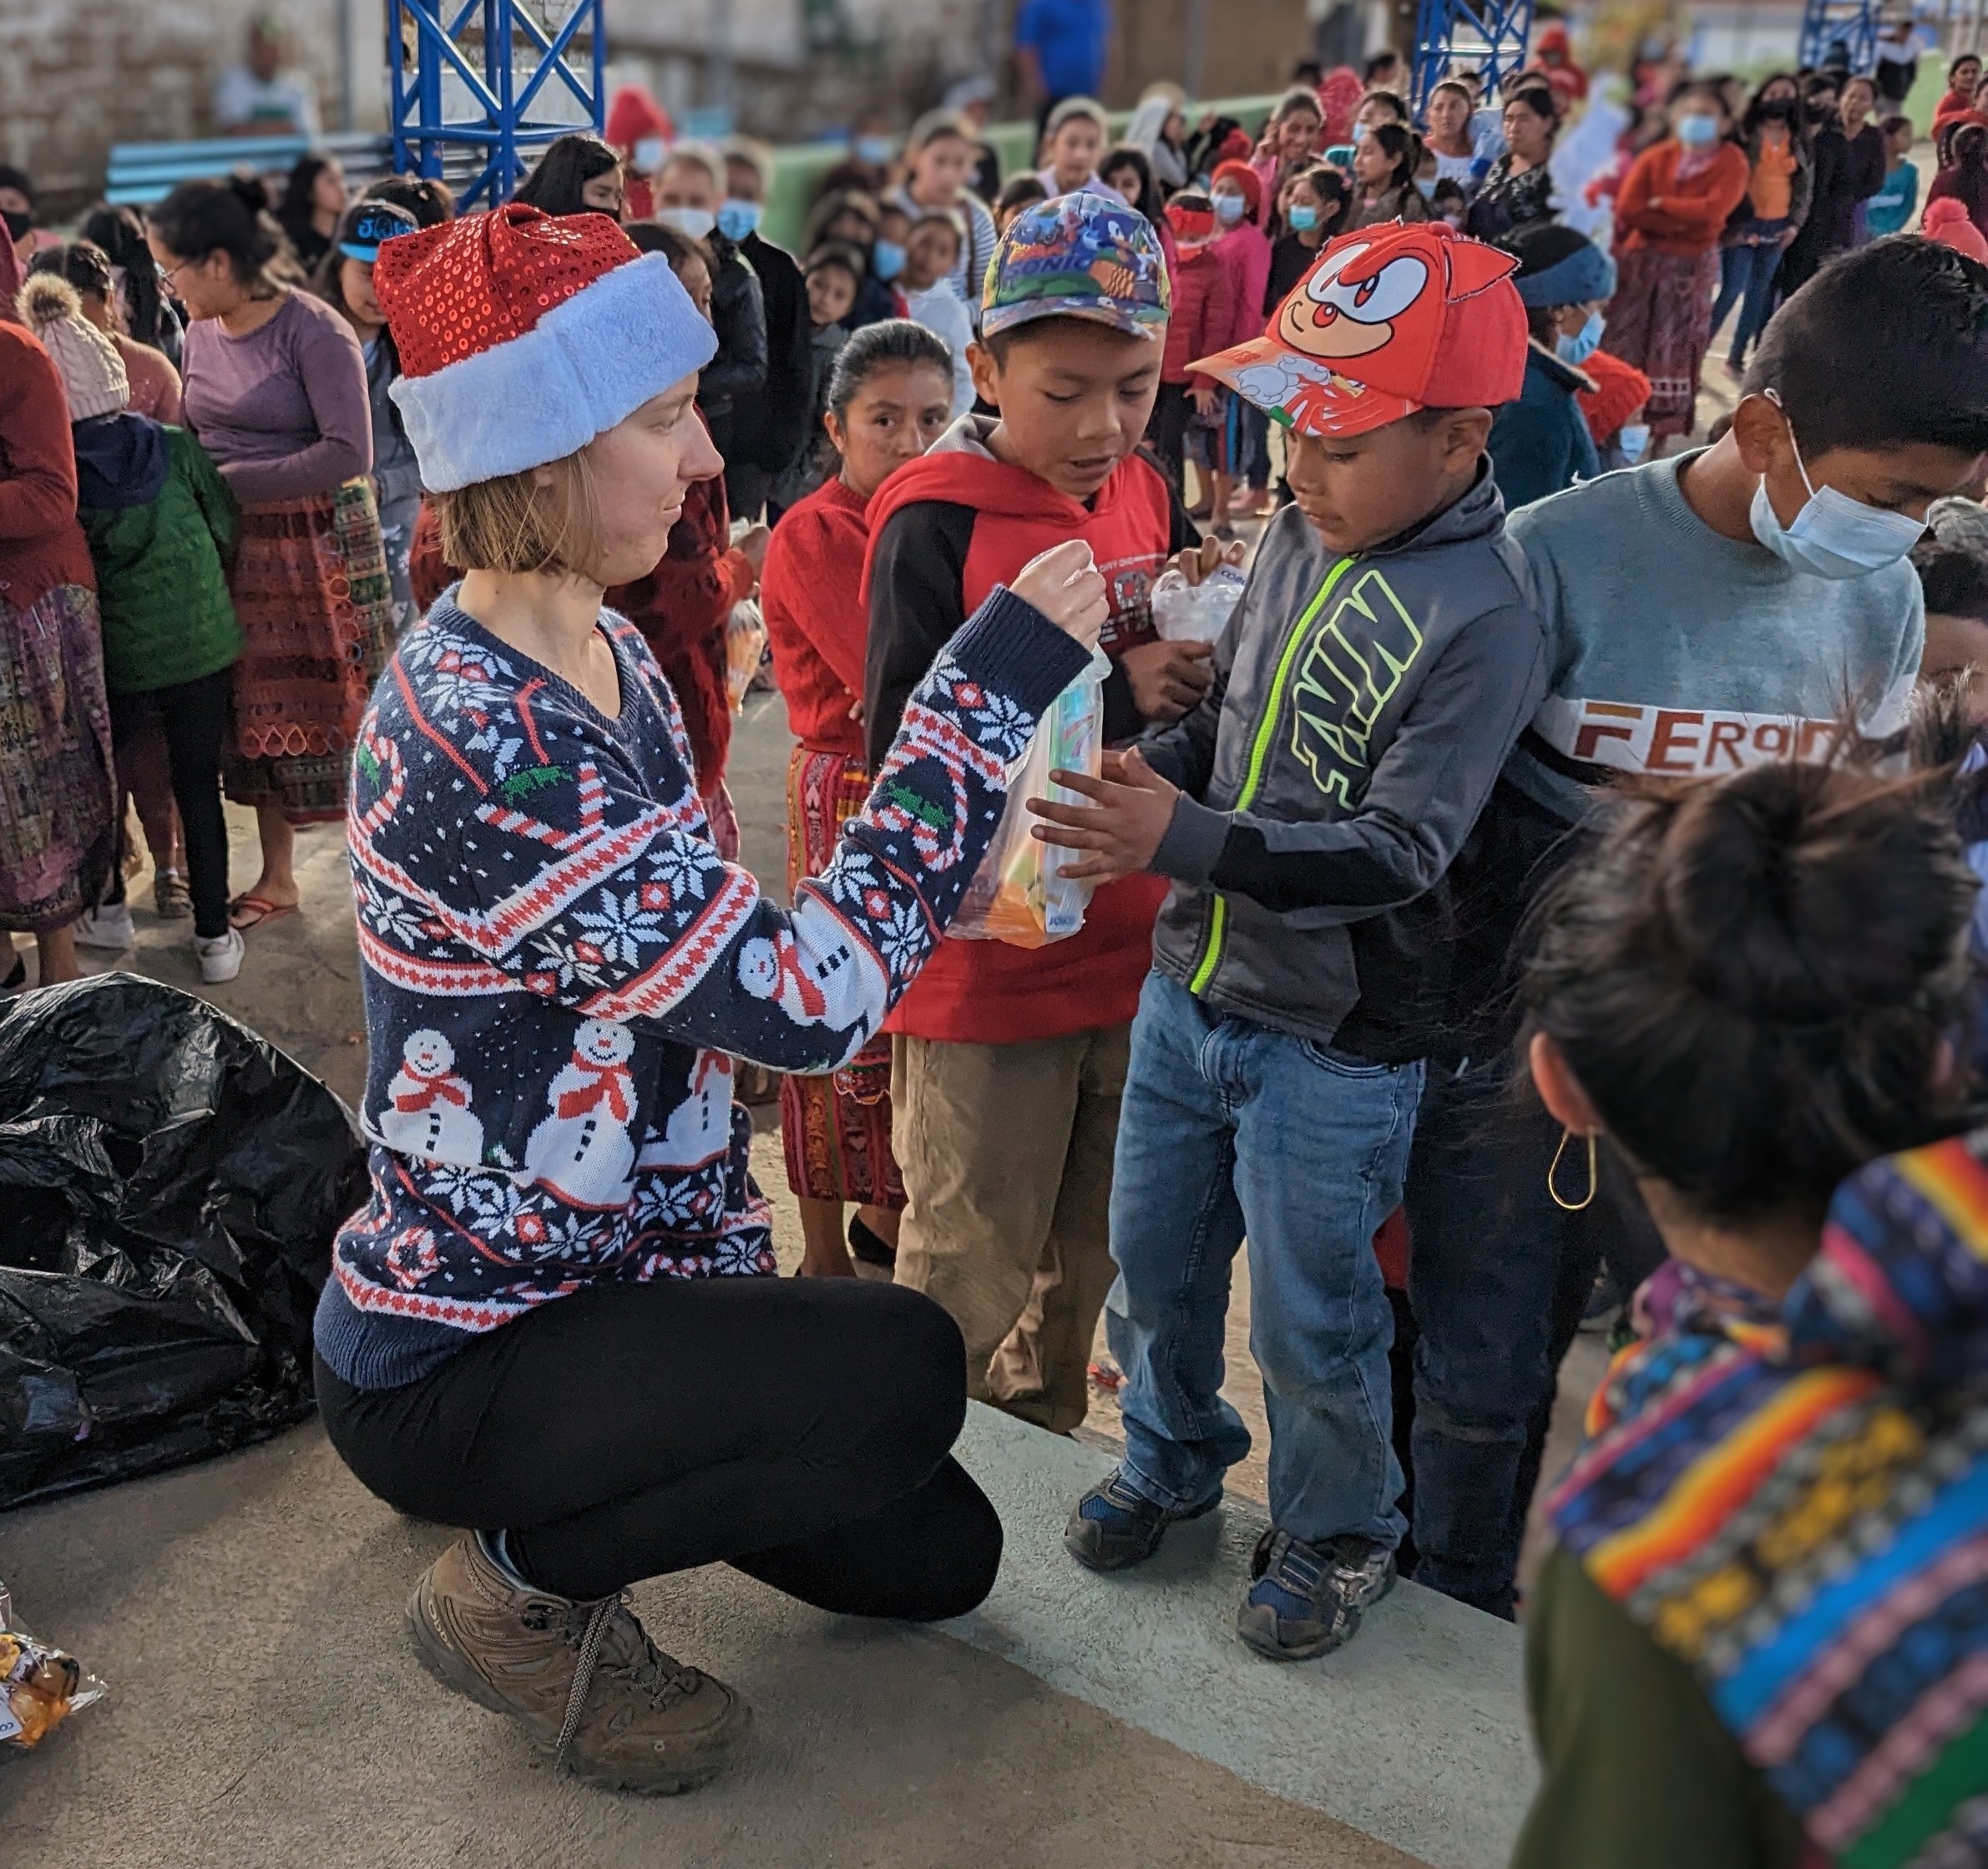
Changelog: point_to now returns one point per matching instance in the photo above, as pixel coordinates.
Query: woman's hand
(1065, 584)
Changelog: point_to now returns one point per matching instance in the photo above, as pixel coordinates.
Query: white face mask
(647, 156)
(1833, 536)
(697, 222)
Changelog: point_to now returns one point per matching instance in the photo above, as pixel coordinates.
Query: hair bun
(1787, 901)
(248, 189)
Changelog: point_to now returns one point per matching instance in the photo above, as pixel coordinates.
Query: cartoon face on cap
(1382, 287)
(1389, 320)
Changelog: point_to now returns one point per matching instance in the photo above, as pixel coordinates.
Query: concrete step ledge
(1414, 1734)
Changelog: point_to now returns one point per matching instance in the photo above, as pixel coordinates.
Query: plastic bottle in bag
(1018, 895)
(1185, 612)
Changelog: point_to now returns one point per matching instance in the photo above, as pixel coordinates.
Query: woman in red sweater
(890, 398)
(1672, 210)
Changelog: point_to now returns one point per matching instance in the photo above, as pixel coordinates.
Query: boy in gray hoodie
(1372, 682)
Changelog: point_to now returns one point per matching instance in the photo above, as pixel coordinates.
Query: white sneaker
(220, 956)
(110, 926)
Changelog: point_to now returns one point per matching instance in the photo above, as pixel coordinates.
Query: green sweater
(1635, 1771)
(162, 584)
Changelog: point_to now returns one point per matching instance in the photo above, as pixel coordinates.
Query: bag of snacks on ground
(745, 645)
(40, 1686)
(1185, 612)
(1018, 895)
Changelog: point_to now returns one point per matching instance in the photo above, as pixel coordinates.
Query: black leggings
(193, 716)
(799, 1429)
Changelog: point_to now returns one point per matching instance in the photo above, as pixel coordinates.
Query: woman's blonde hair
(518, 524)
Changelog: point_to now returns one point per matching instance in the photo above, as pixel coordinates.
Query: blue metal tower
(1855, 23)
(1492, 33)
(500, 58)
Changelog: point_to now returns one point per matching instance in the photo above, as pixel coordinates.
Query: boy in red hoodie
(1007, 1062)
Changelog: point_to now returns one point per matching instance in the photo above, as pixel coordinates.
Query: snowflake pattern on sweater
(558, 968)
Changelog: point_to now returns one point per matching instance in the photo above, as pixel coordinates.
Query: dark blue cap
(372, 224)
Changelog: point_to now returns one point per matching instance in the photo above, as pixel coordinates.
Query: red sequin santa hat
(522, 337)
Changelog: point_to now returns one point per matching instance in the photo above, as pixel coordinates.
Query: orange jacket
(1693, 211)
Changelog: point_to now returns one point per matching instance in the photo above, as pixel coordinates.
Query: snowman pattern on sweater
(558, 967)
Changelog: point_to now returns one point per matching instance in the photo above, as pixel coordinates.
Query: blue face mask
(738, 219)
(887, 260)
(1581, 346)
(1698, 131)
(1632, 437)
(1833, 536)
(875, 150)
(1301, 218)
(1229, 209)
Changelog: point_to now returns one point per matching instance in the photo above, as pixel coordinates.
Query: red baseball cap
(1389, 320)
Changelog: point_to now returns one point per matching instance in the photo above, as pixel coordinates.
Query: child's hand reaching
(1167, 678)
(1202, 561)
(1120, 830)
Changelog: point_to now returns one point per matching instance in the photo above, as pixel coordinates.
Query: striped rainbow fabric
(1796, 1505)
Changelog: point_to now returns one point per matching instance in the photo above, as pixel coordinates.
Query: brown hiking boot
(590, 1687)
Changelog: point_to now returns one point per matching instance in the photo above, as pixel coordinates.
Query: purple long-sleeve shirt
(283, 411)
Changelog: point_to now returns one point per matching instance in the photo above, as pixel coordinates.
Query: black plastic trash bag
(169, 1186)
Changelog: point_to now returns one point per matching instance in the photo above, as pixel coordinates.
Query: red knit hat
(522, 337)
(1390, 320)
(633, 114)
(1245, 178)
(1947, 222)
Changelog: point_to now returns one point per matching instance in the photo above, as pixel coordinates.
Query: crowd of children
(1573, 865)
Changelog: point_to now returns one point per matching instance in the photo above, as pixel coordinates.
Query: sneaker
(1115, 1526)
(220, 955)
(110, 926)
(588, 1684)
(1306, 1599)
(170, 896)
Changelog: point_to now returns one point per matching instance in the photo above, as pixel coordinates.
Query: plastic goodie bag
(1185, 612)
(744, 645)
(40, 1686)
(1017, 895)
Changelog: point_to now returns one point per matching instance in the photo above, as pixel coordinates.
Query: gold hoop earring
(1553, 1171)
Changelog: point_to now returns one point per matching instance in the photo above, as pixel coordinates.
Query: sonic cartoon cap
(1390, 320)
(1078, 257)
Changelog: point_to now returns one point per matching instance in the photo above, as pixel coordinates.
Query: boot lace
(660, 1679)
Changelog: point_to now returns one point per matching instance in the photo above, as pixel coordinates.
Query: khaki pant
(1006, 1155)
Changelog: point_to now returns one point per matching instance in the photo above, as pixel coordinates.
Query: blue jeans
(1747, 279)
(1229, 1129)
(1498, 1278)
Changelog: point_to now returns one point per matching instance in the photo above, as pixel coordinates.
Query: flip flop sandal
(246, 912)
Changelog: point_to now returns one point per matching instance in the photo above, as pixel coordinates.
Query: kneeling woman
(545, 1324)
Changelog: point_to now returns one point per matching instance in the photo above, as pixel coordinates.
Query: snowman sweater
(559, 969)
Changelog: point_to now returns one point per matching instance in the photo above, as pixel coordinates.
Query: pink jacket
(1244, 251)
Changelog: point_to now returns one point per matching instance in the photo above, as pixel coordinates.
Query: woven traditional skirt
(837, 1128)
(309, 585)
(1660, 320)
(58, 839)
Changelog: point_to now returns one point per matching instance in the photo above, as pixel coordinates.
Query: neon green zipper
(1259, 751)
